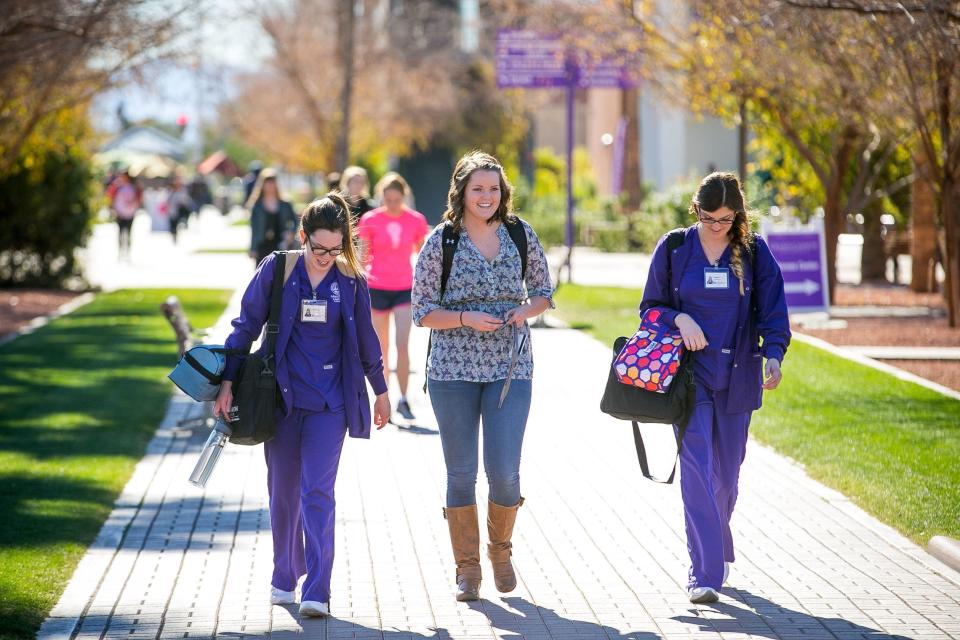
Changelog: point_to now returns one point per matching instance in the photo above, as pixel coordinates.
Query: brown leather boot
(500, 521)
(465, 540)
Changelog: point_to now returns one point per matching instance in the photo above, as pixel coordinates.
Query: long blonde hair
(723, 189)
(257, 192)
(332, 213)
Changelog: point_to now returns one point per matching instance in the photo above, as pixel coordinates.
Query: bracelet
(461, 319)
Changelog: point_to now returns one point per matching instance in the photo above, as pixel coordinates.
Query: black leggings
(124, 226)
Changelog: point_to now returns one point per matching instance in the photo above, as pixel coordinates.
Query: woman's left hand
(771, 374)
(381, 410)
(518, 315)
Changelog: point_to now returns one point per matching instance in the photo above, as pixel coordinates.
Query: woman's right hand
(224, 400)
(481, 321)
(693, 338)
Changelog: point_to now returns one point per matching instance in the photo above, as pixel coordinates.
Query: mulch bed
(907, 332)
(19, 306)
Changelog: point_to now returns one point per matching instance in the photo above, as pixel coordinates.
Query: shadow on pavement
(528, 619)
(766, 619)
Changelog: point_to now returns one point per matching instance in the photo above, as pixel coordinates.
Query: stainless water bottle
(211, 453)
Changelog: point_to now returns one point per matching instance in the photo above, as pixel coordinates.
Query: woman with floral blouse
(480, 365)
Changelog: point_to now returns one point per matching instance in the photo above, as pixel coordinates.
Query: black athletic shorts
(384, 300)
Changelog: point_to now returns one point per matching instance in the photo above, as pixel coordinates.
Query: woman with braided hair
(722, 288)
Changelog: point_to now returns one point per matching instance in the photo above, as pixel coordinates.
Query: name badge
(313, 311)
(716, 278)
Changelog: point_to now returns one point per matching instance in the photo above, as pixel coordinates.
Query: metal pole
(571, 88)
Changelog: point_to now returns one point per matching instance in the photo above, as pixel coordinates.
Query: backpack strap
(449, 239)
(519, 236)
(291, 262)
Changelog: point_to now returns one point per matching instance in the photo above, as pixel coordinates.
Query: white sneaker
(701, 595)
(279, 596)
(726, 572)
(314, 609)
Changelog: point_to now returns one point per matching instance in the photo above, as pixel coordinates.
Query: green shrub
(45, 203)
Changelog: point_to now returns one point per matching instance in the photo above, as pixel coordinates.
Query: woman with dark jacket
(272, 220)
(723, 290)
(326, 350)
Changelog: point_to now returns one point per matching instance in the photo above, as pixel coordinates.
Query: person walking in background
(390, 236)
(179, 206)
(125, 200)
(481, 365)
(355, 186)
(325, 347)
(722, 288)
(272, 220)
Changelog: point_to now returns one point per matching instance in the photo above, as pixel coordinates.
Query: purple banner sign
(800, 254)
(529, 60)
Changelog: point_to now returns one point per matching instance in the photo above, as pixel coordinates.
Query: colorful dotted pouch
(651, 357)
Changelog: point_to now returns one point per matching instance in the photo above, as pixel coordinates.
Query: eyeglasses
(323, 251)
(713, 221)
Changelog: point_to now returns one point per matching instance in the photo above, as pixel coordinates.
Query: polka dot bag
(651, 357)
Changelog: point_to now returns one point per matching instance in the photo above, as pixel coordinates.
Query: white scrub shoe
(700, 595)
(314, 609)
(279, 596)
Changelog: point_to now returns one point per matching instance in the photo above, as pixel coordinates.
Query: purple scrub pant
(713, 449)
(302, 462)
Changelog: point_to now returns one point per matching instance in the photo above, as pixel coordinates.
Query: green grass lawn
(891, 446)
(79, 400)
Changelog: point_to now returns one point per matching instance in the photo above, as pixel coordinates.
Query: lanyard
(519, 340)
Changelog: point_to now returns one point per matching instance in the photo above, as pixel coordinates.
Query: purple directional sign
(530, 60)
(800, 253)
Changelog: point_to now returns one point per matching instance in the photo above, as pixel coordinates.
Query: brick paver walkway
(600, 551)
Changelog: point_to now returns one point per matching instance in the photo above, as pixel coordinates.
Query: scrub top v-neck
(314, 351)
(714, 307)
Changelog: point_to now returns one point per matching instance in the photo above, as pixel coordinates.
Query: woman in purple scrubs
(723, 290)
(326, 346)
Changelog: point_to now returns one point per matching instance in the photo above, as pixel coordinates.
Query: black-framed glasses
(708, 220)
(323, 251)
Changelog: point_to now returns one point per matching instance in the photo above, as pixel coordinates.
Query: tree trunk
(346, 18)
(923, 243)
(832, 227)
(632, 172)
(950, 215)
(873, 259)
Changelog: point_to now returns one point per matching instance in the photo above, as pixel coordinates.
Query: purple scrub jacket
(360, 347)
(762, 314)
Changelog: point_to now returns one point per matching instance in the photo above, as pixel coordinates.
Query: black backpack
(449, 240)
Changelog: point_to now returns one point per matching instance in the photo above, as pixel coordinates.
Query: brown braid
(721, 189)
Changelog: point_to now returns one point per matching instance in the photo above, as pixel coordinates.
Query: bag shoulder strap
(290, 264)
(449, 239)
(276, 298)
(519, 236)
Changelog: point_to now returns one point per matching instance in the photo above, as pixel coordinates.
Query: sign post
(531, 60)
(801, 253)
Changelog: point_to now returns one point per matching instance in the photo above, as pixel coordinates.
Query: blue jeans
(460, 406)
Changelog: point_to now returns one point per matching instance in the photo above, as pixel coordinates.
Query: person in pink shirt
(391, 234)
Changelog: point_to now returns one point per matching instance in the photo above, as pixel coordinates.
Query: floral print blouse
(477, 284)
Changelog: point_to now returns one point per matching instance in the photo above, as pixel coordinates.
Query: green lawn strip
(891, 446)
(222, 250)
(79, 400)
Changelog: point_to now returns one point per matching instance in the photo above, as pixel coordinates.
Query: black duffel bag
(632, 403)
(255, 392)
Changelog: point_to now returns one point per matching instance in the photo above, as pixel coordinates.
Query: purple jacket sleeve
(254, 309)
(773, 322)
(656, 294)
(371, 358)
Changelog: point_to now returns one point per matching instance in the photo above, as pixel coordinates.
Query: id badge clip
(313, 311)
(716, 278)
